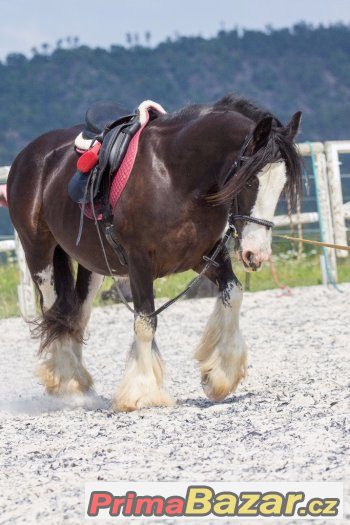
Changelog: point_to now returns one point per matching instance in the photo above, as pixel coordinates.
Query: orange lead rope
(314, 243)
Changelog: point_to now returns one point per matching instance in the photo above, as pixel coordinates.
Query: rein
(210, 261)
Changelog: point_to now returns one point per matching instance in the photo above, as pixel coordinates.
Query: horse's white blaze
(142, 383)
(45, 280)
(222, 351)
(255, 237)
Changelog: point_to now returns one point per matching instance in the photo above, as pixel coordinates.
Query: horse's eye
(249, 184)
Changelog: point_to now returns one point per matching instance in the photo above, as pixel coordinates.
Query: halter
(248, 218)
(232, 171)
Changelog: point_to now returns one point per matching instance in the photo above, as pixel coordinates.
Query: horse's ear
(294, 125)
(261, 133)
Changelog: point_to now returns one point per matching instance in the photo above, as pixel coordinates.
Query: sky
(25, 24)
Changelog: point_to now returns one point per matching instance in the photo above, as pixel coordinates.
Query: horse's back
(31, 169)
(39, 150)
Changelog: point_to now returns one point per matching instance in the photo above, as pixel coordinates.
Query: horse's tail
(62, 319)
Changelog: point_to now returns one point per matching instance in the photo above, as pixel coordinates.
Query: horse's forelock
(278, 147)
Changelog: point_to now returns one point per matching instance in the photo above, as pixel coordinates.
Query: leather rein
(209, 261)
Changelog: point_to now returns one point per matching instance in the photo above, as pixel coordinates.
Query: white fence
(332, 216)
(26, 293)
(333, 210)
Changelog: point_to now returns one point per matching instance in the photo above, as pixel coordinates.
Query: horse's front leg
(141, 385)
(222, 352)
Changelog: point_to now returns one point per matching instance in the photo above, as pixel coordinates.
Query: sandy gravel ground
(289, 420)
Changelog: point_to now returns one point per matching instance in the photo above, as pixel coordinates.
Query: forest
(300, 68)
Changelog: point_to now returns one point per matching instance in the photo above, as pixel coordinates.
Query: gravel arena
(288, 421)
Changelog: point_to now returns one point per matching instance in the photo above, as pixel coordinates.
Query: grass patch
(290, 271)
(9, 279)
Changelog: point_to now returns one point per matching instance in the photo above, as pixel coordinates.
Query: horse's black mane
(242, 105)
(280, 146)
(230, 102)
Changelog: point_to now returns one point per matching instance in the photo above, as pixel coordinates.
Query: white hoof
(141, 392)
(63, 373)
(221, 372)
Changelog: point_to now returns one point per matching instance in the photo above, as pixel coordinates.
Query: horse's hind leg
(222, 353)
(141, 385)
(66, 309)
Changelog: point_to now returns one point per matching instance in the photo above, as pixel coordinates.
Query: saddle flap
(115, 143)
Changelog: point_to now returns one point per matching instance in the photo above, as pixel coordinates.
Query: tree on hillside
(284, 70)
(129, 39)
(148, 38)
(45, 47)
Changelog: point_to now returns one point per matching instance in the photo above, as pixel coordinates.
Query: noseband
(232, 171)
(249, 218)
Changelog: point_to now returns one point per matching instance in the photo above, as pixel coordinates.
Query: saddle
(101, 115)
(103, 145)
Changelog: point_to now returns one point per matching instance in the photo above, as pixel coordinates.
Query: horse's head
(271, 164)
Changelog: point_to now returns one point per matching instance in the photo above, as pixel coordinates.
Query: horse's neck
(206, 152)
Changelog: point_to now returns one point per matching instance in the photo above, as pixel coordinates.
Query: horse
(172, 213)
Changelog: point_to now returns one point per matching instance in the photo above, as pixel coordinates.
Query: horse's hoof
(219, 381)
(155, 399)
(215, 390)
(55, 384)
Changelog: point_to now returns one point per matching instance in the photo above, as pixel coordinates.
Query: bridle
(235, 215)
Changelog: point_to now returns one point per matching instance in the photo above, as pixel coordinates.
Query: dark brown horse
(173, 212)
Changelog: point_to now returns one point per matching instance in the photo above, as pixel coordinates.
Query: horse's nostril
(250, 256)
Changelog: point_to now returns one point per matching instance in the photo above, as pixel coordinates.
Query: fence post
(26, 292)
(332, 149)
(325, 211)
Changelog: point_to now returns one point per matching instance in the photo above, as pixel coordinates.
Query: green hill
(285, 70)
(299, 68)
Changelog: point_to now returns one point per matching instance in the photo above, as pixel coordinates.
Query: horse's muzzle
(252, 262)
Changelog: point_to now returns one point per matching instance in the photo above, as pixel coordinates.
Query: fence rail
(7, 245)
